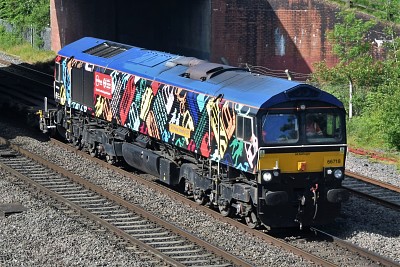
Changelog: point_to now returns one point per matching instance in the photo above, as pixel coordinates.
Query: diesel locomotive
(269, 150)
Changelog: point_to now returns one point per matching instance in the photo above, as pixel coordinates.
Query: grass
(14, 46)
(363, 135)
(27, 53)
(385, 156)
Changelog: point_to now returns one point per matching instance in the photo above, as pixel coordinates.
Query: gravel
(387, 173)
(367, 224)
(44, 235)
(73, 243)
(9, 58)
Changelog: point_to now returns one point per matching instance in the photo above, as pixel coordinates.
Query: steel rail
(179, 197)
(359, 250)
(380, 192)
(13, 68)
(217, 251)
(373, 181)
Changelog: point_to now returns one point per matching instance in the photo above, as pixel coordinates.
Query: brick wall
(71, 20)
(178, 26)
(275, 34)
(55, 30)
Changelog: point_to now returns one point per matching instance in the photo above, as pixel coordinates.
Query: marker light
(338, 173)
(267, 176)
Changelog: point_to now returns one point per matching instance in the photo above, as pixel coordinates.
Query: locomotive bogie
(237, 141)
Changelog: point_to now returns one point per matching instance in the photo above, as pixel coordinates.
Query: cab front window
(280, 128)
(323, 127)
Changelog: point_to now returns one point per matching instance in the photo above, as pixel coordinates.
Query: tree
(376, 82)
(24, 16)
(349, 37)
(356, 65)
(26, 13)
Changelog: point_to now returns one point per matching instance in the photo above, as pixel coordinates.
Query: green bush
(8, 39)
(13, 44)
(25, 15)
(376, 83)
(391, 118)
(365, 131)
(383, 9)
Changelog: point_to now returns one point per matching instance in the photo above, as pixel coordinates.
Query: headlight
(267, 176)
(338, 173)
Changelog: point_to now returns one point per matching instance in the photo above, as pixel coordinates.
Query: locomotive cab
(301, 163)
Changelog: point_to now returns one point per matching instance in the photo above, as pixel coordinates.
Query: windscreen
(306, 127)
(324, 127)
(280, 128)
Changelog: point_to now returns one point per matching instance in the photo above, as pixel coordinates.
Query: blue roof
(234, 84)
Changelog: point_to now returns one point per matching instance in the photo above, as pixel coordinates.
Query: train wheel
(225, 209)
(92, 150)
(199, 196)
(61, 132)
(77, 142)
(252, 220)
(111, 159)
(181, 186)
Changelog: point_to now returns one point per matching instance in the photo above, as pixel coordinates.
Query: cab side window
(57, 73)
(244, 127)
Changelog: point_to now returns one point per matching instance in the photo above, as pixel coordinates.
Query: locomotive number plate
(333, 161)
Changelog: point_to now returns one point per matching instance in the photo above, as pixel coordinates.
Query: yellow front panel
(301, 162)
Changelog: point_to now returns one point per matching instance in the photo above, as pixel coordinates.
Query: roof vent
(184, 61)
(106, 50)
(203, 71)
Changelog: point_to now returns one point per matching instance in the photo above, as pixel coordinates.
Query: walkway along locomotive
(231, 138)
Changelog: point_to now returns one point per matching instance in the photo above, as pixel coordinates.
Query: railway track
(169, 244)
(375, 258)
(100, 208)
(28, 72)
(15, 79)
(98, 202)
(354, 250)
(336, 246)
(385, 194)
